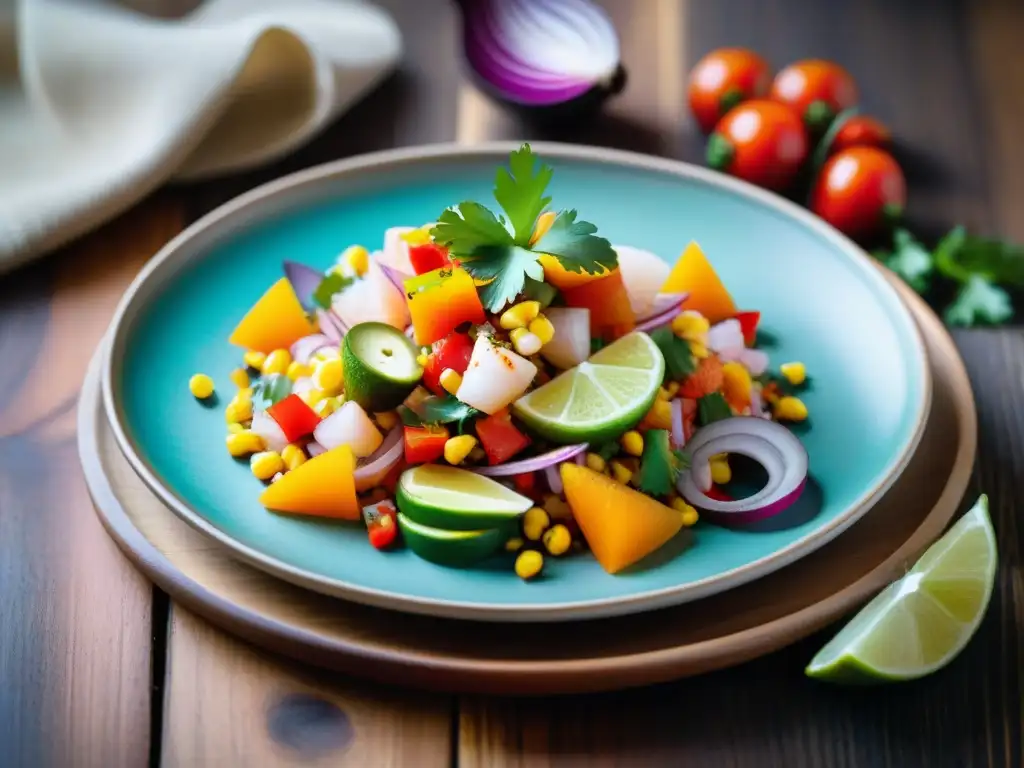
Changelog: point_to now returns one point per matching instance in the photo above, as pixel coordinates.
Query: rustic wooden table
(97, 669)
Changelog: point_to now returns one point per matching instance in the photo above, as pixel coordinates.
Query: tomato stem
(818, 116)
(729, 99)
(720, 152)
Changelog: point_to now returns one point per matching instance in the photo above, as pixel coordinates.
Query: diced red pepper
(294, 417)
(453, 351)
(428, 257)
(381, 523)
(499, 437)
(525, 483)
(717, 494)
(424, 444)
(748, 325)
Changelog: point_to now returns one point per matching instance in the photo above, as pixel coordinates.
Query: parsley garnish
(979, 301)
(498, 251)
(448, 409)
(909, 259)
(269, 390)
(679, 361)
(330, 285)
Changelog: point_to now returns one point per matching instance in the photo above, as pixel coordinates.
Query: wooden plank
(75, 617)
(229, 704)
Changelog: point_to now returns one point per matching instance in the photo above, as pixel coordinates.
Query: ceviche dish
(504, 381)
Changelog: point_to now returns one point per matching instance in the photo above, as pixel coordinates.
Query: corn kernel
(240, 378)
(235, 428)
(736, 383)
(542, 328)
(595, 462)
(421, 360)
(790, 409)
(297, 370)
(456, 449)
(418, 236)
(632, 443)
(620, 472)
(387, 420)
(519, 315)
(312, 396)
(659, 417)
(691, 326)
(669, 391)
(699, 350)
(357, 258)
(556, 507)
(535, 522)
(721, 472)
(243, 443)
(557, 540)
(529, 564)
(201, 386)
(293, 456)
(514, 545)
(544, 222)
(688, 513)
(525, 342)
(794, 373)
(329, 376)
(325, 353)
(326, 407)
(238, 410)
(451, 380)
(254, 359)
(277, 362)
(266, 464)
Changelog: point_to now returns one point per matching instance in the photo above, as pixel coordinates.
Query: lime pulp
(456, 499)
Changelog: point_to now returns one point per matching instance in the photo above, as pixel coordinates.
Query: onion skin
(729, 519)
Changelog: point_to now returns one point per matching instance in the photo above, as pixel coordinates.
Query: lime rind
(448, 498)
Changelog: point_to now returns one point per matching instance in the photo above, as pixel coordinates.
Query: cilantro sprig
(496, 249)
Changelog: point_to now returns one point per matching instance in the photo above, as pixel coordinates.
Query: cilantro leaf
(471, 227)
(959, 256)
(712, 408)
(576, 246)
(679, 360)
(658, 465)
(409, 417)
(330, 285)
(270, 389)
(506, 268)
(910, 260)
(519, 190)
(448, 409)
(979, 302)
(609, 450)
(545, 293)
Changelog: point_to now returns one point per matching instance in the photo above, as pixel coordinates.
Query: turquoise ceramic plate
(821, 299)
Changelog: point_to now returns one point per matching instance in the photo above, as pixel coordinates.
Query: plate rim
(176, 254)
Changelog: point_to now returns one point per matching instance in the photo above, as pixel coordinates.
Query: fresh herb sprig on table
(499, 251)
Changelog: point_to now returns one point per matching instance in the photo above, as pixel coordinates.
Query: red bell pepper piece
(294, 417)
(453, 351)
(424, 444)
(526, 483)
(381, 523)
(718, 494)
(499, 437)
(748, 325)
(428, 257)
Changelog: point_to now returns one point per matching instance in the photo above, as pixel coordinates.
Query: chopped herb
(506, 268)
(679, 360)
(333, 283)
(979, 302)
(608, 450)
(712, 408)
(520, 192)
(596, 344)
(909, 259)
(576, 246)
(448, 409)
(539, 291)
(409, 417)
(659, 465)
(269, 390)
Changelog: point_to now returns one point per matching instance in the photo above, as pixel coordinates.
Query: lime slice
(920, 623)
(455, 549)
(380, 366)
(599, 399)
(457, 499)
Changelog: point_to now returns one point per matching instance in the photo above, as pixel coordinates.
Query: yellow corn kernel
(243, 443)
(721, 472)
(514, 545)
(659, 417)
(277, 362)
(456, 449)
(542, 328)
(620, 472)
(736, 383)
(311, 397)
(293, 456)
(421, 360)
(794, 373)
(240, 378)
(254, 359)
(266, 464)
(529, 564)
(329, 376)
(557, 540)
(525, 342)
(669, 391)
(535, 522)
(790, 409)
(689, 514)
(451, 380)
(238, 410)
(387, 420)
(595, 462)
(201, 386)
(235, 428)
(357, 258)
(556, 507)
(699, 350)
(632, 443)
(326, 407)
(418, 236)
(325, 353)
(297, 370)
(691, 326)
(544, 222)
(519, 315)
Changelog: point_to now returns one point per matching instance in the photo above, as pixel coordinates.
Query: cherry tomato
(860, 131)
(723, 79)
(453, 351)
(858, 189)
(761, 141)
(818, 90)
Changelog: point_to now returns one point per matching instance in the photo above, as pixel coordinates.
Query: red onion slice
(726, 335)
(663, 302)
(372, 470)
(265, 426)
(659, 320)
(554, 478)
(678, 434)
(534, 463)
(303, 349)
(314, 449)
(773, 446)
(304, 279)
(330, 325)
(395, 276)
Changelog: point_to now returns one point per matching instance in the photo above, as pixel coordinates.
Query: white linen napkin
(99, 104)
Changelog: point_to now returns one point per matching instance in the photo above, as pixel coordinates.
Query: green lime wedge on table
(600, 398)
(380, 366)
(455, 499)
(920, 623)
(455, 549)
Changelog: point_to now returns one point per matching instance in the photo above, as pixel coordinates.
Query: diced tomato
(453, 351)
(748, 325)
(294, 417)
(428, 257)
(525, 483)
(717, 494)
(381, 523)
(424, 444)
(500, 438)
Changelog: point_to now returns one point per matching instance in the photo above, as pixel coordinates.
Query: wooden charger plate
(533, 659)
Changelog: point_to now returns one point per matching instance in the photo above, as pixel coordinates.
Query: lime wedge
(600, 398)
(455, 549)
(380, 366)
(920, 623)
(456, 499)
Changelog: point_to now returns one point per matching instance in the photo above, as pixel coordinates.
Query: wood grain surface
(76, 621)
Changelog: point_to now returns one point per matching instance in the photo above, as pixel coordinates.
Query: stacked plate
(891, 441)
